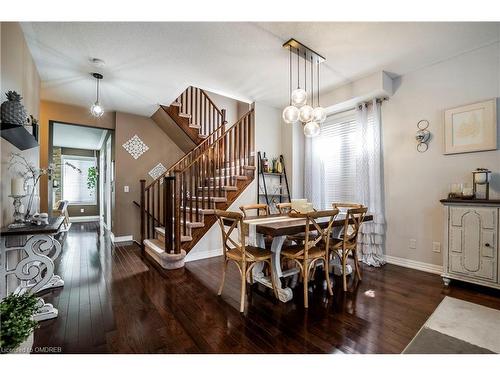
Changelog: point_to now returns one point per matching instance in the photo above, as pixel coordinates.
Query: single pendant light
(319, 113)
(299, 96)
(290, 113)
(96, 109)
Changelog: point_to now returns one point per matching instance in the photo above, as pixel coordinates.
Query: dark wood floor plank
(116, 300)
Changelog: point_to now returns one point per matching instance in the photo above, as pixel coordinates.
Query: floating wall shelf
(18, 136)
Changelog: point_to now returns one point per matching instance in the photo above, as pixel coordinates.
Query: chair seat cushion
(297, 252)
(252, 253)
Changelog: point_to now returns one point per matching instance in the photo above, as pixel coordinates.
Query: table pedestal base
(46, 311)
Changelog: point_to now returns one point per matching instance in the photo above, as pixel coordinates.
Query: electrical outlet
(82, 210)
(126, 189)
(412, 244)
(436, 247)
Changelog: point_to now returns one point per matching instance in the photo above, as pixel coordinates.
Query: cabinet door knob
(487, 244)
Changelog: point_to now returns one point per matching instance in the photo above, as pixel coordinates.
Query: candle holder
(18, 216)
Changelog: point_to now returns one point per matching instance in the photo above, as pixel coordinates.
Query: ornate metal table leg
(35, 269)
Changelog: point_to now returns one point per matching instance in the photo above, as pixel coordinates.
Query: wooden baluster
(143, 210)
(185, 205)
(148, 217)
(168, 212)
(206, 160)
(177, 216)
(158, 206)
(194, 191)
(231, 155)
(197, 183)
(205, 117)
(152, 212)
(191, 99)
(219, 166)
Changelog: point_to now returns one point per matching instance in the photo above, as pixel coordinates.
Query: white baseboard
(115, 239)
(80, 219)
(202, 255)
(414, 264)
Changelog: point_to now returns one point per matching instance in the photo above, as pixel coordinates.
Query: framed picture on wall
(471, 128)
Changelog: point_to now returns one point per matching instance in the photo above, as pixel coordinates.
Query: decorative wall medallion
(157, 171)
(135, 147)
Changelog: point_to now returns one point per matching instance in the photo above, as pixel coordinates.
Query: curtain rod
(379, 100)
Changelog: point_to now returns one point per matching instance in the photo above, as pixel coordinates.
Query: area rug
(458, 327)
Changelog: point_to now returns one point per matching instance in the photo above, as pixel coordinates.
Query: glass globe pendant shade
(311, 129)
(306, 113)
(299, 97)
(319, 115)
(96, 110)
(290, 114)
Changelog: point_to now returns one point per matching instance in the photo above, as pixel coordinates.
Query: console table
(37, 248)
(470, 248)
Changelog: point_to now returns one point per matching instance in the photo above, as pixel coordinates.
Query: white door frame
(107, 219)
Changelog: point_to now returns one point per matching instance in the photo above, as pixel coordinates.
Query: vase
(25, 347)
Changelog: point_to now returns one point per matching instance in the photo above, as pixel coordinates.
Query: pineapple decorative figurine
(12, 111)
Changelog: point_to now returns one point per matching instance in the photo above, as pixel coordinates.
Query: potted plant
(16, 322)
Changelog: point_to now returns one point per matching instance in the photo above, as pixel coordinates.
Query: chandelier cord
(312, 83)
(290, 77)
(97, 91)
(305, 71)
(298, 70)
(318, 65)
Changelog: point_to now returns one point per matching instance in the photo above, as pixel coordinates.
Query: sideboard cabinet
(470, 247)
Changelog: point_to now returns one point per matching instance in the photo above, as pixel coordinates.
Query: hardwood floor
(116, 301)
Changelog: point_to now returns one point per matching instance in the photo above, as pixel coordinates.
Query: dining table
(278, 227)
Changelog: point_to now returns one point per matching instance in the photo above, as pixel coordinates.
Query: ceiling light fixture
(298, 108)
(96, 109)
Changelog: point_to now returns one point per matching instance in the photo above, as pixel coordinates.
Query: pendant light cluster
(96, 109)
(310, 114)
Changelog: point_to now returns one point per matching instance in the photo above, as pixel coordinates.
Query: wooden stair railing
(198, 183)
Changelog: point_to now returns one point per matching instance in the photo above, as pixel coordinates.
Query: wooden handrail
(220, 138)
(196, 181)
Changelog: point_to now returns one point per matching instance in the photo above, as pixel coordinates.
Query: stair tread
(185, 115)
(214, 199)
(226, 188)
(155, 244)
(194, 126)
(176, 104)
(162, 232)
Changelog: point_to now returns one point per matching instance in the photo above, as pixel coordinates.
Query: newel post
(143, 212)
(168, 212)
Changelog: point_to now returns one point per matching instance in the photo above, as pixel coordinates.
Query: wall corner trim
(82, 219)
(115, 239)
(414, 264)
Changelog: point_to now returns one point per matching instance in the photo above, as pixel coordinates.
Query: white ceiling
(151, 63)
(82, 137)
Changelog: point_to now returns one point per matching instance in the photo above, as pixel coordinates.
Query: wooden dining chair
(346, 243)
(262, 209)
(313, 249)
(284, 208)
(245, 257)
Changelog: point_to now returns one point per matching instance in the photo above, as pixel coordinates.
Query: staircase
(177, 208)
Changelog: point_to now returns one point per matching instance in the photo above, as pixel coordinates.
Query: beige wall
(18, 72)
(128, 171)
(234, 108)
(414, 182)
(64, 113)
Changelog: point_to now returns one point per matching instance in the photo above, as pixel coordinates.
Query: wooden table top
(51, 228)
(290, 227)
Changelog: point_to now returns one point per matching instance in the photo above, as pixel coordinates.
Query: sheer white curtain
(314, 173)
(369, 185)
(345, 164)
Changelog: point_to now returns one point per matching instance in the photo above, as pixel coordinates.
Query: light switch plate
(436, 247)
(82, 210)
(412, 244)
(126, 189)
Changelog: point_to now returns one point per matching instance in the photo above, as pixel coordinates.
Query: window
(74, 179)
(338, 147)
